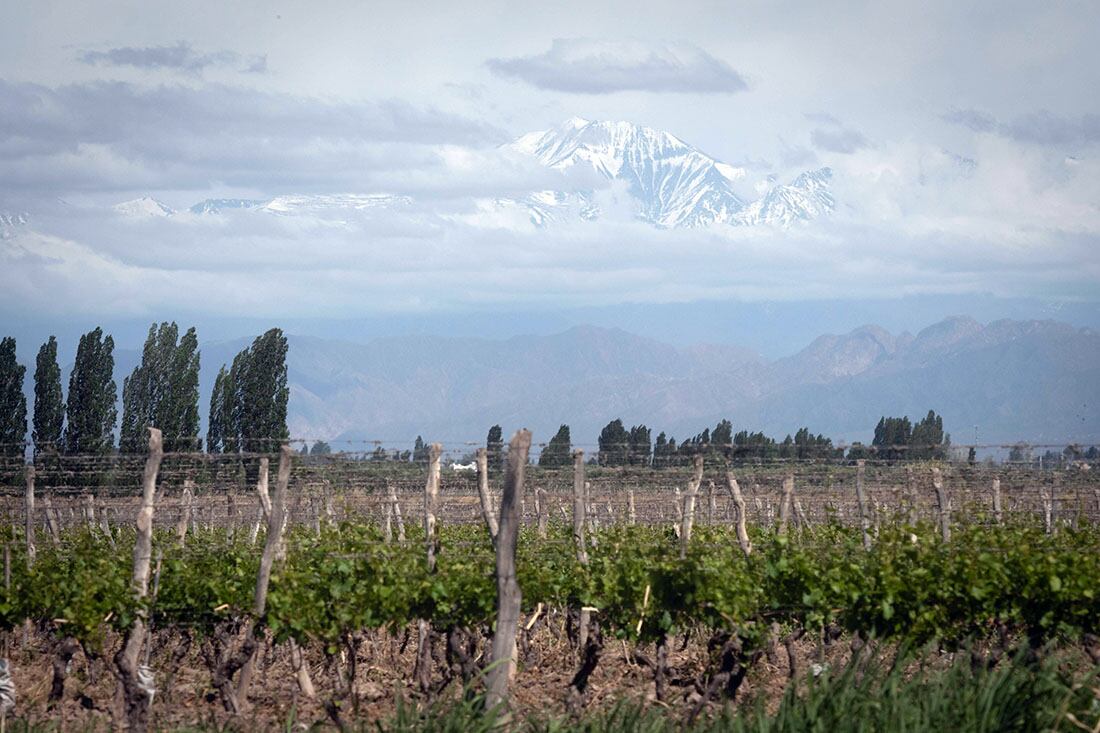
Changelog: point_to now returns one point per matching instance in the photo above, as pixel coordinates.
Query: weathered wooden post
(739, 508)
(431, 546)
(678, 505)
(89, 510)
(483, 494)
(32, 551)
(997, 499)
(187, 499)
(864, 517)
(273, 548)
(688, 519)
(137, 680)
(396, 504)
(579, 510)
(632, 514)
(387, 520)
(52, 519)
(911, 494)
(580, 514)
(785, 505)
(508, 591)
(542, 510)
(943, 506)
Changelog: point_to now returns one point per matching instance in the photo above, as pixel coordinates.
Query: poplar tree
(13, 409)
(163, 391)
(49, 407)
(494, 448)
(264, 394)
(556, 452)
(249, 402)
(215, 430)
(420, 451)
(90, 407)
(614, 444)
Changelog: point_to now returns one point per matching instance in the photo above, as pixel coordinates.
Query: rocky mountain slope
(1014, 380)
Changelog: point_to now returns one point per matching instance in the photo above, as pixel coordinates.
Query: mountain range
(670, 183)
(1008, 380)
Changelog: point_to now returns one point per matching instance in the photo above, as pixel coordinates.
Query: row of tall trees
(898, 438)
(84, 423)
(249, 401)
(248, 406)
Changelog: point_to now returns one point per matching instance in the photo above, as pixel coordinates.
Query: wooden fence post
(580, 516)
(387, 518)
(579, 509)
(483, 493)
(785, 505)
(678, 505)
(689, 503)
(273, 548)
(32, 551)
(632, 515)
(396, 504)
(864, 518)
(137, 680)
(997, 499)
(541, 510)
(52, 519)
(943, 506)
(89, 510)
(739, 507)
(911, 494)
(508, 591)
(431, 545)
(186, 501)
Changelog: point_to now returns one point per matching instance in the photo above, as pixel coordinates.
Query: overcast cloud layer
(964, 144)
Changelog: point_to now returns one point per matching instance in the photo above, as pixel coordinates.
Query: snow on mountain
(806, 197)
(303, 204)
(671, 183)
(674, 183)
(11, 223)
(333, 202)
(217, 206)
(145, 207)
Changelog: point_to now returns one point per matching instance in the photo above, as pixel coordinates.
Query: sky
(964, 140)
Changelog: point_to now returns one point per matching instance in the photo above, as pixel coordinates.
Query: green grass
(1014, 696)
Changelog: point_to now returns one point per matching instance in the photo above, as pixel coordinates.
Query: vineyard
(163, 591)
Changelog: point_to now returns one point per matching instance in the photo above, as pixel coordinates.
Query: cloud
(103, 136)
(179, 57)
(833, 136)
(587, 66)
(257, 265)
(1040, 128)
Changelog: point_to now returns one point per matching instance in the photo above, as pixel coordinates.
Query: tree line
(248, 407)
(895, 438)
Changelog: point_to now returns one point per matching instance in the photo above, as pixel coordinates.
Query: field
(719, 595)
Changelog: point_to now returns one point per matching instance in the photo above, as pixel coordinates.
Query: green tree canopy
(556, 453)
(90, 407)
(494, 447)
(49, 406)
(13, 404)
(163, 391)
(614, 444)
(249, 401)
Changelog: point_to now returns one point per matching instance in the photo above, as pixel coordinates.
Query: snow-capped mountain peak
(674, 183)
(145, 207)
(804, 198)
(216, 206)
